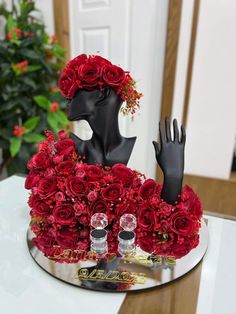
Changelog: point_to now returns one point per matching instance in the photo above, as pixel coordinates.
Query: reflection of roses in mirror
(146, 242)
(66, 193)
(67, 238)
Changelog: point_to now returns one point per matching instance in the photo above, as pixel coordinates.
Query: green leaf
(52, 121)
(28, 41)
(33, 137)
(29, 82)
(33, 68)
(10, 23)
(15, 145)
(61, 117)
(42, 102)
(31, 123)
(29, 53)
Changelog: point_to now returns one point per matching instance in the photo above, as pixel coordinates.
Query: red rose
(75, 186)
(66, 167)
(67, 238)
(125, 208)
(63, 214)
(100, 60)
(148, 189)
(146, 242)
(62, 134)
(113, 192)
(44, 242)
(192, 202)
(145, 217)
(92, 196)
(40, 161)
(39, 207)
(47, 187)
(84, 220)
(60, 197)
(89, 74)
(181, 224)
(113, 75)
(83, 233)
(83, 245)
(93, 173)
(65, 147)
(67, 83)
(179, 250)
(99, 206)
(76, 62)
(31, 180)
(123, 173)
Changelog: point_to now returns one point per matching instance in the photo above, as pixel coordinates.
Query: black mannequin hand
(170, 157)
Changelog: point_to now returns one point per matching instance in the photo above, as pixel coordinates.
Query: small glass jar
(98, 235)
(126, 237)
(98, 239)
(126, 242)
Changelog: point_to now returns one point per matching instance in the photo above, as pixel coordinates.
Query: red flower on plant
(54, 106)
(18, 131)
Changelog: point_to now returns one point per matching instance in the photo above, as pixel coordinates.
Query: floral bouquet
(66, 192)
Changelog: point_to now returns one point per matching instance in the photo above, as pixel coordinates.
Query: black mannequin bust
(108, 147)
(100, 109)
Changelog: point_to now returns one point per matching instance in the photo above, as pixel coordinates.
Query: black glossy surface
(126, 235)
(98, 233)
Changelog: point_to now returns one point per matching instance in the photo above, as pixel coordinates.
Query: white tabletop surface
(26, 288)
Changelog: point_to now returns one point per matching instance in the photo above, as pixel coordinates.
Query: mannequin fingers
(183, 135)
(176, 131)
(168, 133)
(156, 147)
(162, 134)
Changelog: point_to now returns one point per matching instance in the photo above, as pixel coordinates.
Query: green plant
(30, 102)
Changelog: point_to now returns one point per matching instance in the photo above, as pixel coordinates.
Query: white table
(26, 288)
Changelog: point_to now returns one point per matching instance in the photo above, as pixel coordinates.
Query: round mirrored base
(137, 271)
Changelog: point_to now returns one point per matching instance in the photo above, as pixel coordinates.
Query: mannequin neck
(105, 126)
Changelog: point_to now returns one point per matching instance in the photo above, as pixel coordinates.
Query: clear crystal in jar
(99, 221)
(128, 222)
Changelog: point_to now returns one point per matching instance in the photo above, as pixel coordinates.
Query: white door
(130, 33)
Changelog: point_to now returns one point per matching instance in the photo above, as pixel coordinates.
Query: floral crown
(89, 72)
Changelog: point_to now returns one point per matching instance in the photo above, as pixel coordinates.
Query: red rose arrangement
(90, 72)
(66, 192)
